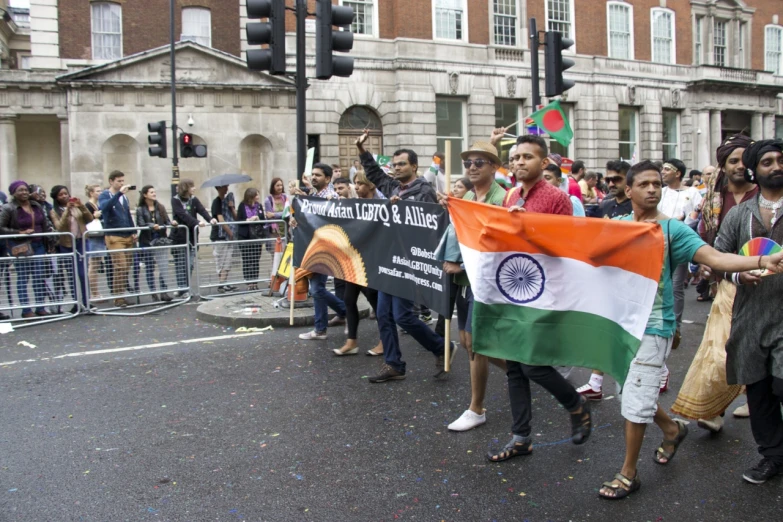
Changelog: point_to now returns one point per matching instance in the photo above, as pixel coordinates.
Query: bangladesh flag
(553, 120)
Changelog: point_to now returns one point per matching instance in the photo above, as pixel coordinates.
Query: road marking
(134, 348)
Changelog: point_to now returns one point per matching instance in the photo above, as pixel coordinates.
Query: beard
(772, 181)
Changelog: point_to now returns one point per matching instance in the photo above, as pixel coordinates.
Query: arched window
(358, 118)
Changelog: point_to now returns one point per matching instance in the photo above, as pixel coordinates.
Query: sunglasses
(477, 162)
(614, 179)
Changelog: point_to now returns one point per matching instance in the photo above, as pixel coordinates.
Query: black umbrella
(226, 179)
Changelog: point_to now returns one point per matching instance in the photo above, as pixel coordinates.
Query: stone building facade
(654, 78)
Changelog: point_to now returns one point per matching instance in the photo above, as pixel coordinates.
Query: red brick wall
(145, 25)
(478, 21)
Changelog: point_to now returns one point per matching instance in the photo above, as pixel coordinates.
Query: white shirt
(679, 203)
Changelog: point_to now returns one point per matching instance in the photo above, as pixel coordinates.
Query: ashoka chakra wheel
(520, 278)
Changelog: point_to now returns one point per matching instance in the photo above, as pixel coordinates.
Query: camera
(132, 187)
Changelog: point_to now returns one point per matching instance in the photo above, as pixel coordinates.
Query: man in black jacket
(391, 310)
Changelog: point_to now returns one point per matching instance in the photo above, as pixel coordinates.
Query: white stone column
(757, 126)
(715, 135)
(702, 152)
(8, 155)
(44, 34)
(769, 126)
(65, 153)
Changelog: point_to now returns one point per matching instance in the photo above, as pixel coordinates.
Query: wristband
(735, 278)
(760, 262)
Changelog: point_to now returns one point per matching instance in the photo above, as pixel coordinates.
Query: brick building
(655, 78)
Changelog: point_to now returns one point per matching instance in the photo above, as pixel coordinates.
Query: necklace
(774, 206)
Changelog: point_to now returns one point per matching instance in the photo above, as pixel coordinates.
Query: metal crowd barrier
(236, 266)
(42, 287)
(129, 279)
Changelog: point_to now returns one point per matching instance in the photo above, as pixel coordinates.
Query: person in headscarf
(754, 350)
(705, 394)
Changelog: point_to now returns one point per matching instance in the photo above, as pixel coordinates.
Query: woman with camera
(250, 210)
(70, 215)
(152, 219)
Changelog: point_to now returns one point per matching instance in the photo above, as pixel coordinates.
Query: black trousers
(440, 325)
(519, 377)
(339, 288)
(351, 293)
(764, 400)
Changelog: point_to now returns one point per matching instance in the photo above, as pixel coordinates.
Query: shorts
(643, 384)
(224, 255)
(465, 309)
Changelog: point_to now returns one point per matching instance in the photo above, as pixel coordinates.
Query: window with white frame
(106, 31)
(779, 127)
(773, 49)
(364, 16)
(698, 49)
(560, 17)
(505, 21)
(507, 114)
(741, 45)
(197, 25)
(662, 35)
(450, 19)
(719, 43)
(629, 134)
(620, 22)
(450, 125)
(671, 134)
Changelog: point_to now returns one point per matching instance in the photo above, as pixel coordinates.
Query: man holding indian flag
(526, 310)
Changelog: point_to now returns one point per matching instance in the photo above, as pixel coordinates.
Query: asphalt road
(268, 427)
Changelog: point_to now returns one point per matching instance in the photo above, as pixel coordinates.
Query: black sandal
(662, 453)
(581, 424)
(511, 450)
(619, 491)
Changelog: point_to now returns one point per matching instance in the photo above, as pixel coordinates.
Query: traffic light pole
(301, 89)
(174, 151)
(534, 44)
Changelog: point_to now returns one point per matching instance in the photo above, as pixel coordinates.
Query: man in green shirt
(480, 162)
(640, 392)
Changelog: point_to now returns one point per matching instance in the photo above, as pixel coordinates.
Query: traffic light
(327, 40)
(188, 149)
(157, 139)
(272, 33)
(556, 64)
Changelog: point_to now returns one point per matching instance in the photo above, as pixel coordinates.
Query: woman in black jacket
(186, 207)
(152, 219)
(250, 210)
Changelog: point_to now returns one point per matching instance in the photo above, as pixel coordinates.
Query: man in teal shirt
(480, 163)
(640, 392)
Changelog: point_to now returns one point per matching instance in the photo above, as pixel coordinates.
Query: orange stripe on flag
(634, 247)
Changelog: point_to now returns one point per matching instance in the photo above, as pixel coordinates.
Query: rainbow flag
(558, 290)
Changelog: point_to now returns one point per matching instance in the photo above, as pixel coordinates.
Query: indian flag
(558, 290)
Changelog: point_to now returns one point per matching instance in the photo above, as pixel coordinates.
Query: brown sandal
(621, 492)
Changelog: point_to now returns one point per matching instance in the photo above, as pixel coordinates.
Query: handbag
(161, 241)
(94, 225)
(23, 249)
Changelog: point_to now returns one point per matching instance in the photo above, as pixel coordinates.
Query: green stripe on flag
(553, 338)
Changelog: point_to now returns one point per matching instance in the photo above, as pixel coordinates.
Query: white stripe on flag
(623, 297)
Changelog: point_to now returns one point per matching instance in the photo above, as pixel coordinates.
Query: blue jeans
(323, 300)
(69, 270)
(395, 311)
(27, 268)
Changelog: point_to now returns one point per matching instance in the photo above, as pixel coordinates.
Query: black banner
(373, 243)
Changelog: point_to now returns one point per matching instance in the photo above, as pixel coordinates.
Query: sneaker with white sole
(742, 412)
(762, 472)
(312, 335)
(468, 421)
(589, 393)
(714, 424)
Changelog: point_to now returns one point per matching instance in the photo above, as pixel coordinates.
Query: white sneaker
(468, 421)
(742, 412)
(313, 336)
(714, 424)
